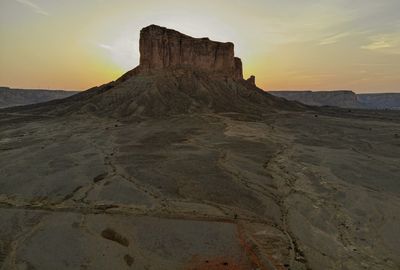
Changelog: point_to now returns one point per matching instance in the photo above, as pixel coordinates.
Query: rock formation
(163, 48)
(252, 80)
(177, 74)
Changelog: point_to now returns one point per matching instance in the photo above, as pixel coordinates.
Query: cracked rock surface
(285, 190)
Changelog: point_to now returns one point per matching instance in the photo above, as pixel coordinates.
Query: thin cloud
(333, 39)
(377, 45)
(34, 7)
(389, 43)
(106, 47)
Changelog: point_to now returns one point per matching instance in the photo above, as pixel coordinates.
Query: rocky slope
(18, 97)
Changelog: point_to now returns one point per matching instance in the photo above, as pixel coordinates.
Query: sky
(286, 44)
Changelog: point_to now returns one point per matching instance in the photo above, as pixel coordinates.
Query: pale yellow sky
(287, 44)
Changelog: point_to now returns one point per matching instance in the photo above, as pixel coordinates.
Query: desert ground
(182, 163)
(315, 189)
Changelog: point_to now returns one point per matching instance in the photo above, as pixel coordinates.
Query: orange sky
(287, 44)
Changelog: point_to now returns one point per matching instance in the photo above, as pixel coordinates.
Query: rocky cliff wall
(163, 48)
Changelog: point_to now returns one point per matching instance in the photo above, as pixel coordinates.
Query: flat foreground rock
(200, 191)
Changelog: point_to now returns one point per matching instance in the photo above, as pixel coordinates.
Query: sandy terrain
(288, 190)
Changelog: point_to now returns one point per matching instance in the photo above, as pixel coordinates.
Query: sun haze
(302, 44)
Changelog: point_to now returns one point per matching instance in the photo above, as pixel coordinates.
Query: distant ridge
(18, 97)
(380, 100)
(343, 98)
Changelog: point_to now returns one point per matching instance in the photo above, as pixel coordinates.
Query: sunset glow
(302, 44)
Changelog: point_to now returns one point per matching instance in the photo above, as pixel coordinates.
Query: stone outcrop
(163, 48)
(252, 80)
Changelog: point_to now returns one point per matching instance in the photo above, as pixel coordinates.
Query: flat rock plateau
(343, 99)
(183, 164)
(19, 97)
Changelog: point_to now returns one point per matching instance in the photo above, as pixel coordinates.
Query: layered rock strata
(163, 48)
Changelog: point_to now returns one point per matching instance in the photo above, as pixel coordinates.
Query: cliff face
(162, 48)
